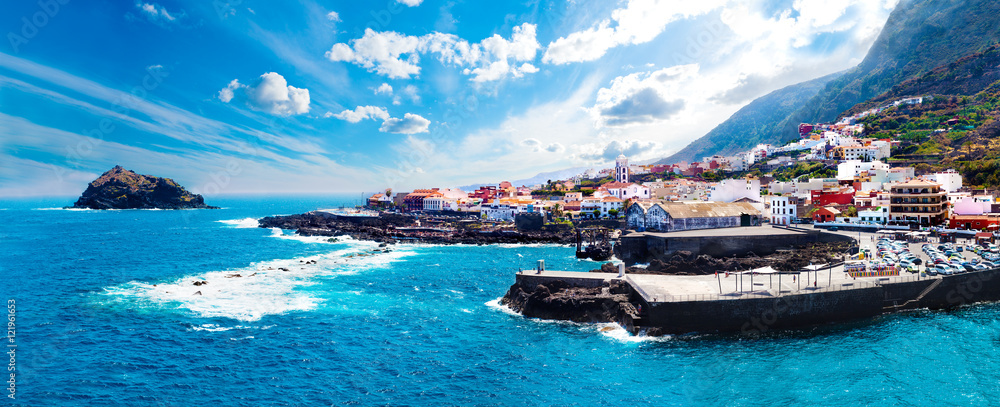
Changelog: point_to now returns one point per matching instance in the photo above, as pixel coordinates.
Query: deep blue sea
(106, 314)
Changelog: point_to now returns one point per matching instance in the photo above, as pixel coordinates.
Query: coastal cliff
(119, 188)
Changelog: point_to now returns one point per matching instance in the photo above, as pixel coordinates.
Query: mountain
(540, 178)
(753, 124)
(919, 38)
(123, 189)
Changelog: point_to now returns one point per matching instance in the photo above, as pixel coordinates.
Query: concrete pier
(682, 304)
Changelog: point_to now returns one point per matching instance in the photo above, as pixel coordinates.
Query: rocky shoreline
(397, 228)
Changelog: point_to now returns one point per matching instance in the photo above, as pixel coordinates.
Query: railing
(763, 294)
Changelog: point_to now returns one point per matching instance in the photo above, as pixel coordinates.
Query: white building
(783, 210)
(847, 170)
(621, 169)
(440, 203)
(625, 191)
(730, 190)
(950, 180)
(877, 215)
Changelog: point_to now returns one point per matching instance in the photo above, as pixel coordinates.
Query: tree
(597, 213)
(388, 192)
(613, 213)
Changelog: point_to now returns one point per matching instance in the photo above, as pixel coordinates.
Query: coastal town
(831, 176)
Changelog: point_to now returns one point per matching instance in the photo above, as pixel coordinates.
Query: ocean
(107, 313)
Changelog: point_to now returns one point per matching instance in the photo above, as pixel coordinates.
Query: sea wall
(643, 248)
(758, 315)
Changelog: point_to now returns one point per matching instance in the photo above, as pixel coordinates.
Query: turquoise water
(106, 315)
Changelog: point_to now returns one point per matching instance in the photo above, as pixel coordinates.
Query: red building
(804, 129)
(415, 200)
(824, 197)
(975, 222)
(484, 193)
(825, 215)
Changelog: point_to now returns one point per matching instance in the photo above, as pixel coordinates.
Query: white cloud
(641, 98)
(158, 14)
(639, 22)
(555, 148)
(360, 113)
(411, 92)
(383, 89)
(409, 124)
(333, 16)
(226, 94)
(270, 94)
(398, 56)
(601, 153)
(411, 3)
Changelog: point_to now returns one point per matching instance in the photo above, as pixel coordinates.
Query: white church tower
(621, 169)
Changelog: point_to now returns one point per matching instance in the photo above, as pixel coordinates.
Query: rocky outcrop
(123, 189)
(558, 300)
(393, 228)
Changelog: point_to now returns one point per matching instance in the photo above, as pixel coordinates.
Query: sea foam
(245, 223)
(250, 293)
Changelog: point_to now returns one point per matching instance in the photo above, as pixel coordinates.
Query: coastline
(390, 228)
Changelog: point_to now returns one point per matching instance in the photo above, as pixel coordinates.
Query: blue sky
(284, 97)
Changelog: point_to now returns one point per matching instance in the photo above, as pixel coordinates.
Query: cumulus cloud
(411, 3)
(537, 146)
(555, 148)
(333, 16)
(638, 22)
(409, 124)
(383, 89)
(270, 94)
(398, 56)
(360, 113)
(644, 97)
(157, 14)
(611, 150)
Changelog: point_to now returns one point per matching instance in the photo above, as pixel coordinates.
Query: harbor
(762, 299)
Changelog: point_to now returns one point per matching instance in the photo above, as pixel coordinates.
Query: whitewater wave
(62, 209)
(248, 294)
(609, 330)
(245, 223)
(280, 234)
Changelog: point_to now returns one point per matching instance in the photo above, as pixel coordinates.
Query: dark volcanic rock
(558, 300)
(389, 228)
(123, 189)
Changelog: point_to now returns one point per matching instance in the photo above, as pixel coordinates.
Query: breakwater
(753, 314)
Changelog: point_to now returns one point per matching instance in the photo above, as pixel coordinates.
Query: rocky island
(119, 188)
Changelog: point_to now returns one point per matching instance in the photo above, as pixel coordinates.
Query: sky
(244, 96)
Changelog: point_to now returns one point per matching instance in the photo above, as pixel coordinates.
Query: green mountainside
(922, 45)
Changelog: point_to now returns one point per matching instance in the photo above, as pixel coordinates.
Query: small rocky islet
(119, 188)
